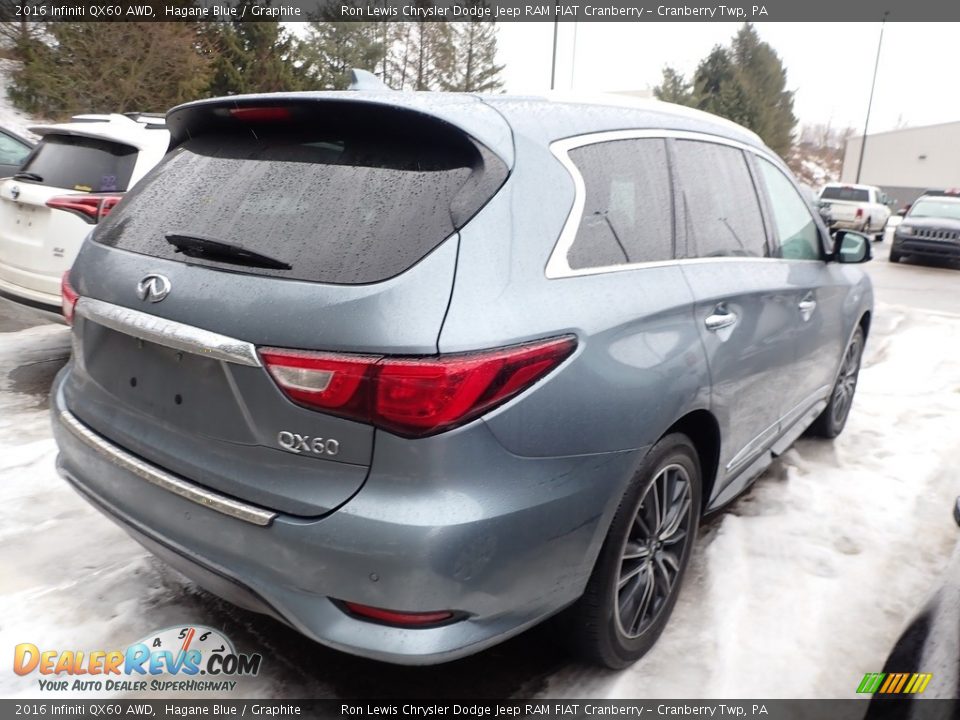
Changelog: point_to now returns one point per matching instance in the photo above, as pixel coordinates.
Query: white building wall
(922, 157)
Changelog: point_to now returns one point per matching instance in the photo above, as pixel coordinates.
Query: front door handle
(720, 319)
(806, 307)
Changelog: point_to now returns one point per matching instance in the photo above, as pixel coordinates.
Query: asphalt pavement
(921, 285)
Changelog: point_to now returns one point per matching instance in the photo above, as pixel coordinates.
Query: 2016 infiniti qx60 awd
(413, 372)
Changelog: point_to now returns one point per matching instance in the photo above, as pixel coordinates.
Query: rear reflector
(92, 208)
(68, 298)
(413, 397)
(393, 617)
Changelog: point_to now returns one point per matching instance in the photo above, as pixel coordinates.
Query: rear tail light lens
(859, 212)
(394, 617)
(68, 298)
(92, 208)
(413, 397)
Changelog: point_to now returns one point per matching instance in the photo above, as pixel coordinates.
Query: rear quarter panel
(639, 365)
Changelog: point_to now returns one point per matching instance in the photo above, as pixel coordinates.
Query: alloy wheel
(650, 561)
(847, 381)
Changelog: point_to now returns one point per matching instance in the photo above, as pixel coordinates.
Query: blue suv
(413, 372)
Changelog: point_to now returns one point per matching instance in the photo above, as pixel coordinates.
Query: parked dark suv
(414, 372)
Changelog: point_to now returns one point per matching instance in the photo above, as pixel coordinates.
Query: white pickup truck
(863, 208)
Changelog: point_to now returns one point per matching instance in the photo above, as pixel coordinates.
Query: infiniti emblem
(153, 287)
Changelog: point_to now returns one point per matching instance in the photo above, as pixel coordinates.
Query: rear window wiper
(201, 247)
(27, 176)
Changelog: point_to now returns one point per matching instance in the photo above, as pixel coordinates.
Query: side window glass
(628, 208)
(796, 231)
(12, 152)
(718, 202)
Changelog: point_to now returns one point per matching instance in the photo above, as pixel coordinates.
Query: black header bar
(638, 11)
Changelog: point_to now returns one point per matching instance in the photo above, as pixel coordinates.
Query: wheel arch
(864, 323)
(704, 432)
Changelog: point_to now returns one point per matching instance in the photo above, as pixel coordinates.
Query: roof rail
(365, 80)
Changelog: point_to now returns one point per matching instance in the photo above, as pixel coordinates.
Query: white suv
(70, 181)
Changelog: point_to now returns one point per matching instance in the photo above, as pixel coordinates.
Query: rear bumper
(847, 225)
(927, 248)
(41, 303)
(505, 544)
(30, 285)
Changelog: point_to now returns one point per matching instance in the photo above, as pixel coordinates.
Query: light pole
(873, 86)
(553, 65)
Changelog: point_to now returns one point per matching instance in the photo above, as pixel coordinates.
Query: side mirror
(901, 212)
(851, 247)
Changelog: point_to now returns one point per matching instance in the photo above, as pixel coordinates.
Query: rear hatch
(310, 225)
(39, 243)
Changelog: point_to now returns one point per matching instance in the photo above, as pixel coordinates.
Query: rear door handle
(807, 306)
(720, 319)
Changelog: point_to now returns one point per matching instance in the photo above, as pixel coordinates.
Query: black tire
(651, 579)
(878, 237)
(833, 419)
(894, 256)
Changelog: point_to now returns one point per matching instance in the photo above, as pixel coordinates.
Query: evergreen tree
(76, 67)
(251, 57)
(674, 88)
(765, 80)
(718, 88)
(334, 48)
(467, 60)
(745, 83)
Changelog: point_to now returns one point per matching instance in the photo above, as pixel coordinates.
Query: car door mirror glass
(851, 247)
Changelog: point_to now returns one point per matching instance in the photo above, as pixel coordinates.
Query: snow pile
(815, 165)
(817, 173)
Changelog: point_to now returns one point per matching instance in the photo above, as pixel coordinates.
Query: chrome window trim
(187, 490)
(558, 266)
(169, 333)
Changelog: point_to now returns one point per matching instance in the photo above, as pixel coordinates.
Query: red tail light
(68, 298)
(92, 208)
(413, 397)
(859, 212)
(393, 617)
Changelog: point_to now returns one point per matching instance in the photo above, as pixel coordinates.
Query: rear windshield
(81, 163)
(341, 205)
(845, 193)
(935, 209)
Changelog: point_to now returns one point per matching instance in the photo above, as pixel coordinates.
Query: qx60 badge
(154, 287)
(296, 443)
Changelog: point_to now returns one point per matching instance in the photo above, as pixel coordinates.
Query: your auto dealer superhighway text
(525, 710)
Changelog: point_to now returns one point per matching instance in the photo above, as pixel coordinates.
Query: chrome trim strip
(785, 422)
(557, 265)
(189, 491)
(169, 333)
(802, 407)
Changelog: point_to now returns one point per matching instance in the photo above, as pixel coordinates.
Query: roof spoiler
(364, 80)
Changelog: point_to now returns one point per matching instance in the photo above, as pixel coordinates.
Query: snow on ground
(11, 117)
(795, 591)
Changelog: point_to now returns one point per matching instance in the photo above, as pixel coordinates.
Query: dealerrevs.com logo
(191, 658)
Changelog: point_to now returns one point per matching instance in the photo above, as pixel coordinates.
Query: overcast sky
(829, 65)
